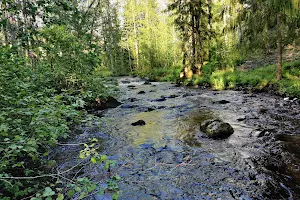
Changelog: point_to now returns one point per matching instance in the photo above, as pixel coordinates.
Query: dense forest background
(57, 58)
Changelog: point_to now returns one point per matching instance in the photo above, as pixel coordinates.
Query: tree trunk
(279, 62)
(5, 16)
(279, 48)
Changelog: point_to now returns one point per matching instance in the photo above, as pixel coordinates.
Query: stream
(169, 157)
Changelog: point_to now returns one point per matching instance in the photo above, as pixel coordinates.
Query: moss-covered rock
(216, 129)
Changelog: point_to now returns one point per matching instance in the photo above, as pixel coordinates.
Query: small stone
(125, 81)
(141, 92)
(241, 119)
(139, 123)
(147, 83)
(160, 99)
(150, 109)
(132, 99)
(223, 102)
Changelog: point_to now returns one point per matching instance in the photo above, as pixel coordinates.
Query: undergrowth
(258, 79)
(39, 102)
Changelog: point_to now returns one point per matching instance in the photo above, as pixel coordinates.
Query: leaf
(103, 157)
(71, 193)
(48, 192)
(100, 192)
(106, 166)
(93, 160)
(117, 178)
(82, 195)
(115, 196)
(60, 196)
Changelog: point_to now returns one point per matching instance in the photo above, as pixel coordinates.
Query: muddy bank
(168, 157)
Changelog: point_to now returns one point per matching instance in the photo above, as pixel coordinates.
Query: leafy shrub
(39, 103)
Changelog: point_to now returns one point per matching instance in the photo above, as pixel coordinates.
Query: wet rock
(131, 86)
(216, 128)
(172, 96)
(241, 119)
(147, 83)
(223, 102)
(160, 99)
(129, 106)
(98, 113)
(139, 123)
(262, 111)
(110, 102)
(141, 92)
(125, 81)
(150, 109)
(132, 99)
(187, 95)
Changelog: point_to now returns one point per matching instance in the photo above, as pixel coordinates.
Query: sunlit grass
(261, 78)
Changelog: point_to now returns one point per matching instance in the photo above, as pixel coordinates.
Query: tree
(193, 20)
(263, 19)
(149, 36)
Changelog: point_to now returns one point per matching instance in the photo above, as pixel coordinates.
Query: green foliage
(39, 103)
(193, 19)
(163, 74)
(261, 78)
(149, 37)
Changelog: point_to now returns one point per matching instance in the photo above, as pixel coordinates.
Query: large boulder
(216, 129)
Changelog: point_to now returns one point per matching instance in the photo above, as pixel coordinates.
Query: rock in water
(141, 92)
(216, 129)
(147, 83)
(223, 102)
(139, 123)
(112, 102)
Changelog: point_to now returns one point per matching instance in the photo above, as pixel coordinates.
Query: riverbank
(252, 79)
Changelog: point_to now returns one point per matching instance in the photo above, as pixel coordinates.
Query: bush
(39, 103)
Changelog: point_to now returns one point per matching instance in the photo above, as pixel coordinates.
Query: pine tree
(192, 20)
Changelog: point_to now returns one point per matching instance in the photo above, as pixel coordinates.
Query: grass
(259, 79)
(168, 74)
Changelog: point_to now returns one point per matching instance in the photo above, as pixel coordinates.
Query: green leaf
(71, 193)
(117, 178)
(82, 195)
(60, 196)
(103, 157)
(115, 196)
(100, 192)
(93, 160)
(48, 192)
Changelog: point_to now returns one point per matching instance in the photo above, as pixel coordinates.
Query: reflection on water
(154, 131)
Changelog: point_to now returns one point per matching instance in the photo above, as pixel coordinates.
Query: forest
(60, 59)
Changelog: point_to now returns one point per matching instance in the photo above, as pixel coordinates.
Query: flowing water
(169, 158)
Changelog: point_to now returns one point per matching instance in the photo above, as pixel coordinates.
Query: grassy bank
(259, 79)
